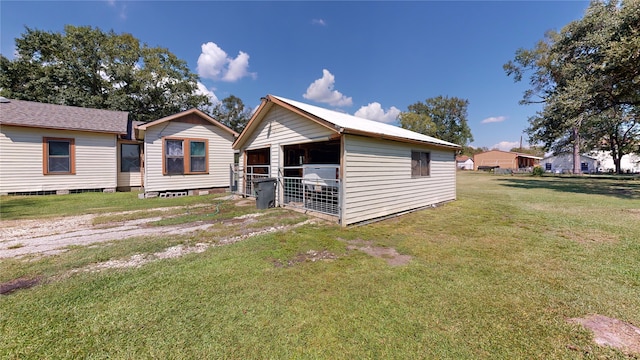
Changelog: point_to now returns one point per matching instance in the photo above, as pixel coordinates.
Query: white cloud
(505, 145)
(322, 90)
(238, 68)
(122, 8)
(374, 111)
(320, 22)
(493, 119)
(215, 64)
(202, 90)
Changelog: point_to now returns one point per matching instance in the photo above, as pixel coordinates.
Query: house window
(420, 163)
(584, 167)
(59, 156)
(198, 156)
(547, 166)
(129, 157)
(185, 156)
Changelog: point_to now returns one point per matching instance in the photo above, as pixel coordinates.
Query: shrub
(537, 171)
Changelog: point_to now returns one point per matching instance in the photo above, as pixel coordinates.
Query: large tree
(441, 117)
(232, 113)
(588, 78)
(84, 66)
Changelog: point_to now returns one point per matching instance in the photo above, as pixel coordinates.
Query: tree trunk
(576, 150)
(617, 161)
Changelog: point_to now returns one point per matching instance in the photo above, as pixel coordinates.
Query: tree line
(587, 76)
(87, 67)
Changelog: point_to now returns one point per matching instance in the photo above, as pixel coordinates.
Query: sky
(369, 59)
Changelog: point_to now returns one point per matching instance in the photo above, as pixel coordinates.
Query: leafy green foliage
(587, 76)
(87, 67)
(232, 113)
(531, 150)
(537, 171)
(444, 118)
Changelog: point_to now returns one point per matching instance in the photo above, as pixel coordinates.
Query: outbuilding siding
(281, 127)
(219, 152)
(377, 179)
(21, 161)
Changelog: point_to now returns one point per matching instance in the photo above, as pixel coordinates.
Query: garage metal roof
(345, 123)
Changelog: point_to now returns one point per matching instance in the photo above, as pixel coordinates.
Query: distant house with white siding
(48, 149)
(186, 151)
(351, 169)
(630, 163)
(563, 163)
(463, 162)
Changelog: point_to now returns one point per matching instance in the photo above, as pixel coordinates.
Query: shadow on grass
(13, 207)
(623, 189)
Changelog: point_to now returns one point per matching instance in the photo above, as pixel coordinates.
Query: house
(504, 160)
(463, 162)
(350, 169)
(563, 163)
(49, 149)
(182, 152)
(629, 163)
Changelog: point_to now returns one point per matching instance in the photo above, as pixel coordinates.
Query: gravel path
(52, 236)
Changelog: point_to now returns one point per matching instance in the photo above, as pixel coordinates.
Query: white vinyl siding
(564, 163)
(21, 161)
(375, 174)
(282, 127)
(377, 178)
(220, 157)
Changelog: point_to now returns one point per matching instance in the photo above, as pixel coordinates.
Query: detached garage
(348, 168)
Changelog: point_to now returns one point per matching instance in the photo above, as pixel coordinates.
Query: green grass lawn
(493, 275)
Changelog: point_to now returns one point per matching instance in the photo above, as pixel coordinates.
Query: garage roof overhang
(336, 122)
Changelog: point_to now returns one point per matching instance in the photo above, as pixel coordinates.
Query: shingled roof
(50, 116)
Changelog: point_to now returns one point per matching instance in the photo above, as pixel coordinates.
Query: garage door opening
(311, 176)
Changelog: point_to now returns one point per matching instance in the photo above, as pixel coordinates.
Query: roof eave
(187, 112)
(31, 126)
(396, 138)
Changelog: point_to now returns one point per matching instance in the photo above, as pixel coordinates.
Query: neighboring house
(463, 162)
(352, 169)
(629, 163)
(185, 151)
(49, 149)
(504, 160)
(563, 163)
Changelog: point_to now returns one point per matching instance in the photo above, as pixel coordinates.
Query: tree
(470, 150)
(90, 68)
(232, 113)
(441, 117)
(531, 150)
(587, 77)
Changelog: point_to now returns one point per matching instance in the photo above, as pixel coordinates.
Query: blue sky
(371, 59)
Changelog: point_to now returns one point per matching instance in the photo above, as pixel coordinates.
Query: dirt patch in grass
(612, 332)
(246, 202)
(590, 236)
(177, 251)
(635, 213)
(391, 255)
(17, 284)
(309, 256)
